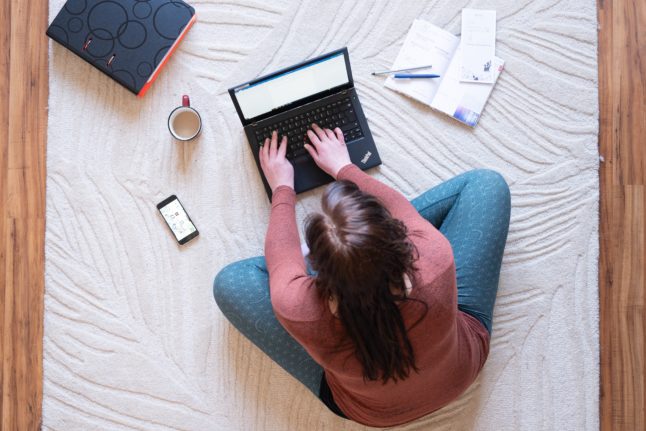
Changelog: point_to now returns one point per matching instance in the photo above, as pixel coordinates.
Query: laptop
(319, 90)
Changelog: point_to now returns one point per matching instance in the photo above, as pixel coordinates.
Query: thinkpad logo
(366, 157)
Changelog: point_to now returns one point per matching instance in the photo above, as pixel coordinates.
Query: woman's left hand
(277, 169)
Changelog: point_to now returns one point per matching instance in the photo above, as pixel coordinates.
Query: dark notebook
(127, 40)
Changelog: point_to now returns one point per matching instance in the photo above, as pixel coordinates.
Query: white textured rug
(133, 338)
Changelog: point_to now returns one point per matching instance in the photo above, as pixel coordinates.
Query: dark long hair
(361, 254)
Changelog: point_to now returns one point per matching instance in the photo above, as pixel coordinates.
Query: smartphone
(177, 219)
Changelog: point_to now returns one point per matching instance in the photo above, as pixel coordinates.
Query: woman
(393, 319)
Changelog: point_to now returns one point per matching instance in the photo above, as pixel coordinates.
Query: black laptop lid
(291, 87)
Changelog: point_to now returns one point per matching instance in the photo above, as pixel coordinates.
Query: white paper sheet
(424, 44)
(478, 45)
(464, 101)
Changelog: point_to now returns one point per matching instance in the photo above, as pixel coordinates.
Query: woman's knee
(494, 182)
(224, 284)
(231, 280)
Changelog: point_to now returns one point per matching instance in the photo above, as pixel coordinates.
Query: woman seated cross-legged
(389, 316)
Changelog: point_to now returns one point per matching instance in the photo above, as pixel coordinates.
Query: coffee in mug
(184, 122)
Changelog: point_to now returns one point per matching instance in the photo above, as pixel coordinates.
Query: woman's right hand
(328, 149)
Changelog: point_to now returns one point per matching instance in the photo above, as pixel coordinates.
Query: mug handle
(186, 101)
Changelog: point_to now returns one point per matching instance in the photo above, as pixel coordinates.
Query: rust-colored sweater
(450, 346)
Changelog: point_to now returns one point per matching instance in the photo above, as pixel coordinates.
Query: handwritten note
(478, 45)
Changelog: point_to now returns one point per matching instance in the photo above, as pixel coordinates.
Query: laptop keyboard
(339, 113)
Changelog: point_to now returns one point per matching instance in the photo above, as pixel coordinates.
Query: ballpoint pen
(415, 75)
(383, 72)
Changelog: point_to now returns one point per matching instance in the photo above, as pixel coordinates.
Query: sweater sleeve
(291, 289)
(399, 207)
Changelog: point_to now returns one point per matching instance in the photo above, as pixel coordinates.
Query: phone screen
(177, 219)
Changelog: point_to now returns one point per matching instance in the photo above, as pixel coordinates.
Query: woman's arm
(282, 243)
(330, 153)
(291, 289)
(289, 284)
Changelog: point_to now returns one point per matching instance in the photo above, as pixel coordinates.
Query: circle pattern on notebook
(125, 39)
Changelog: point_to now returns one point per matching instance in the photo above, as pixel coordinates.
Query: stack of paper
(468, 69)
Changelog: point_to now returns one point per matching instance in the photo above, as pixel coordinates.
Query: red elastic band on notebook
(145, 88)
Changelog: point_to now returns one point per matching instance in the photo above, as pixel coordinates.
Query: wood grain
(622, 101)
(23, 126)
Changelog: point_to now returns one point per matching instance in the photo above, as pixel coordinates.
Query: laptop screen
(280, 90)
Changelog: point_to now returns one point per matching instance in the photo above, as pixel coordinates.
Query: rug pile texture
(133, 338)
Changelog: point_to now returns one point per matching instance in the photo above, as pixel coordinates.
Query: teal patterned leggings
(471, 210)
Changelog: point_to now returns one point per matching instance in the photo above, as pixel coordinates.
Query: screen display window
(177, 219)
(275, 92)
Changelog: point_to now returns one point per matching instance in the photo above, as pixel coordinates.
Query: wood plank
(5, 23)
(623, 324)
(23, 121)
(622, 77)
(622, 118)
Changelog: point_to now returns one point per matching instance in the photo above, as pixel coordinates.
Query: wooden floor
(23, 133)
(622, 95)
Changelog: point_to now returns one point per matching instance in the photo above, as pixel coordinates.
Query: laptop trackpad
(308, 175)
